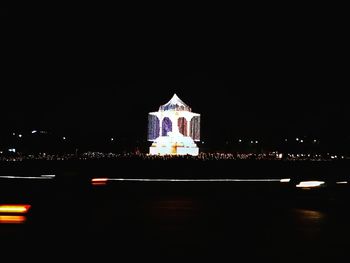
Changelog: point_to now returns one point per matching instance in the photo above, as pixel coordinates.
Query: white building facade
(174, 129)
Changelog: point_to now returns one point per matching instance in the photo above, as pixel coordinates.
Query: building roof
(175, 104)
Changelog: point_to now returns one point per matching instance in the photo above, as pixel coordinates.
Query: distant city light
(239, 140)
(342, 182)
(34, 131)
(256, 141)
(297, 139)
(315, 140)
(20, 135)
(63, 138)
(301, 140)
(286, 140)
(112, 139)
(12, 150)
(14, 134)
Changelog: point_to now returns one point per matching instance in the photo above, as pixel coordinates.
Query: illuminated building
(173, 129)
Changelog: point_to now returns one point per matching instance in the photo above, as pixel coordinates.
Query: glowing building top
(176, 124)
(175, 104)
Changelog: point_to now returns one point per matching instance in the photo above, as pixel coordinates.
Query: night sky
(89, 72)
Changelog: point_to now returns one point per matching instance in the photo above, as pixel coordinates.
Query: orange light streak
(9, 219)
(14, 208)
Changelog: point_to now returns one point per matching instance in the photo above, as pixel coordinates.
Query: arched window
(166, 126)
(182, 124)
(153, 127)
(195, 128)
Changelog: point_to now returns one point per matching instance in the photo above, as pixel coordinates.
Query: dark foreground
(165, 221)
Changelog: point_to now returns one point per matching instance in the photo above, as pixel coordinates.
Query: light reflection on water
(309, 224)
(225, 219)
(174, 209)
(310, 216)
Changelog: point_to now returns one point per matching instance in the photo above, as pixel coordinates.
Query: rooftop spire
(175, 104)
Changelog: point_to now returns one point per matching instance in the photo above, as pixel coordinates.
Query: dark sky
(99, 71)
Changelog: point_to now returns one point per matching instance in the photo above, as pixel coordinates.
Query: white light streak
(187, 180)
(48, 175)
(309, 184)
(25, 177)
(342, 182)
(285, 180)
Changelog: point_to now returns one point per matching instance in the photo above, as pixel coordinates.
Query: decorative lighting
(174, 129)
